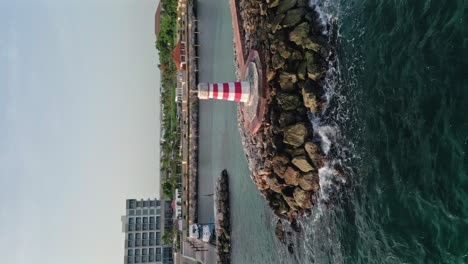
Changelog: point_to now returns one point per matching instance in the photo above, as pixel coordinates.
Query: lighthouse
(228, 91)
(242, 91)
(249, 92)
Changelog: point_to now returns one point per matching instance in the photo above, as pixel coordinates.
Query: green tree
(169, 234)
(168, 189)
(165, 44)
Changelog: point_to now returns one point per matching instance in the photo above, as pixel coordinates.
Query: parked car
(202, 232)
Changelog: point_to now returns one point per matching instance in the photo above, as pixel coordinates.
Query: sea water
(397, 123)
(399, 98)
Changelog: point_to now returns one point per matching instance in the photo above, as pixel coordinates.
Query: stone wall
(223, 231)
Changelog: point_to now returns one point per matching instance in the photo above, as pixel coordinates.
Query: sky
(79, 126)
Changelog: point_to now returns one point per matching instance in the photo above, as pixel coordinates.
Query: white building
(143, 226)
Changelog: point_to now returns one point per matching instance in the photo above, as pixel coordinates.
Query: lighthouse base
(254, 110)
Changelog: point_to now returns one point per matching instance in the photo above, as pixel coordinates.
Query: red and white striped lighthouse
(231, 91)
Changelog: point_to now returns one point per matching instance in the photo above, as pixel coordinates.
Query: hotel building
(144, 225)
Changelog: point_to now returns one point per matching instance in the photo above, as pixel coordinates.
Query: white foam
(322, 16)
(326, 175)
(326, 134)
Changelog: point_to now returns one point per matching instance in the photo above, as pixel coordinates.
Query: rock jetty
(223, 231)
(285, 155)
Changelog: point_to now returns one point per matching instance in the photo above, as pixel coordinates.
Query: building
(179, 54)
(144, 225)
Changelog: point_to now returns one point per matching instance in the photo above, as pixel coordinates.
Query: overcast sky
(79, 126)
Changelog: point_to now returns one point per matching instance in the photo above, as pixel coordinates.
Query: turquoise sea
(397, 122)
(401, 106)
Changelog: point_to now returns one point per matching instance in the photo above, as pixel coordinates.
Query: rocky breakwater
(223, 231)
(285, 155)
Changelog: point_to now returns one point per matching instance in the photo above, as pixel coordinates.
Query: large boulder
(285, 5)
(310, 93)
(296, 55)
(277, 62)
(271, 75)
(298, 152)
(226, 248)
(302, 37)
(287, 81)
(291, 202)
(301, 163)
(318, 45)
(310, 100)
(277, 141)
(302, 70)
(275, 24)
(300, 34)
(261, 183)
(280, 47)
(281, 206)
(315, 67)
(291, 176)
(286, 118)
(303, 198)
(274, 184)
(293, 17)
(287, 101)
(310, 181)
(315, 154)
(295, 135)
(279, 164)
(278, 204)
